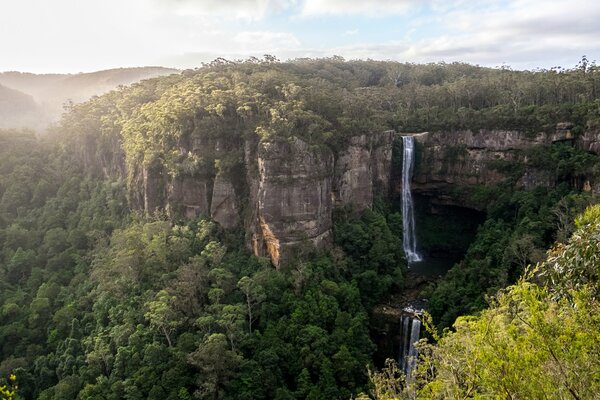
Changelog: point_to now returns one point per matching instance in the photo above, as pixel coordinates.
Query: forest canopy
(99, 300)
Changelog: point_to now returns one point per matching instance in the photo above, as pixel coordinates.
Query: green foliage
(162, 123)
(520, 225)
(7, 392)
(376, 261)
(537, 340)
(97, 302)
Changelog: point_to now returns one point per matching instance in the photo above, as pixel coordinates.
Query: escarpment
(362, 169)
(294, 195)
(282, 191)
(447, 161)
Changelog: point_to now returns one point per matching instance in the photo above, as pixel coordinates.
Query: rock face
(190, 194)
(154, 187)
(363, 168)
(294, 195)
(282, 191)
(286, 188)
(223, 207)
(354, 175)
(590, 141)
(465, 158)
(447, 160)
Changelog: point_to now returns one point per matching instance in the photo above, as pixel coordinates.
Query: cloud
(259, 9)
(357, 7)
(262, 40)
(228, 9)
(525, 34)
(70, 35)
(527, 31)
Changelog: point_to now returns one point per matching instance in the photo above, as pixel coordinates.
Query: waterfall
(411, 331)
(408, 217)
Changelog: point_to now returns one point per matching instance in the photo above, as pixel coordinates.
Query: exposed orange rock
(271, 242)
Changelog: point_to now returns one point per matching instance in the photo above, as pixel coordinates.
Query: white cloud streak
(357, 7)
(73, 35)
(251, 10)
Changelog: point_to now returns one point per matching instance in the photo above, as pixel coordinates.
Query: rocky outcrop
(154, 187)
(293, 187)
(294, 195)
(448, 160)
(464, 158)
(363, 168)
(353, 184)
(284, 191)
(223, 207)
(590, 141)
(188, 195)
(286, 188)
(382, 146)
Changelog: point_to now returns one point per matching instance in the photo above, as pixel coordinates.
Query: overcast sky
(88, 35)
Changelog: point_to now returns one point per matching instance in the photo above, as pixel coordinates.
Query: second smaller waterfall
(411, 332)
(408, 217)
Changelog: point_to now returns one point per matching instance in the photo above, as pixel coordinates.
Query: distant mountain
(18, 109)
(50, 92)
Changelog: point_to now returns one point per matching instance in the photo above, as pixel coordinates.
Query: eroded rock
(223, 208)
(294, 195)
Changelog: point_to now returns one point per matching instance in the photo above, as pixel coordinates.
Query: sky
(70, 36)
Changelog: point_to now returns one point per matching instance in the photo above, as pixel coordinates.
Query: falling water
(408, 217)
(411, 331)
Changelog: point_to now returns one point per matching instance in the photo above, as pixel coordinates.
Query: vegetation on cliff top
(326, 100)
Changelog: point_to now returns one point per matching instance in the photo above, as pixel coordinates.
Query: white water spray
(408, 218)
(411, 332)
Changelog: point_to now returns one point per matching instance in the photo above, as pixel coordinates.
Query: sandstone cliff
(448, 160)
(284, 193)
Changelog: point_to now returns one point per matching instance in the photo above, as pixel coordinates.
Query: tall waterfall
(411, 331)
(408, 218)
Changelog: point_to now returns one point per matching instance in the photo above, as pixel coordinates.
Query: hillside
(52, 91)
(18, 109)
(235, 232)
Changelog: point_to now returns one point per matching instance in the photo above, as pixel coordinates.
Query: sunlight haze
(70, 36)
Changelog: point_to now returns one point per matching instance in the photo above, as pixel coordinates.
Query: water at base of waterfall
(408, 217)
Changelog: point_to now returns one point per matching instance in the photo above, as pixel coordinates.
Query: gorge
(237, 232)
(287, 194)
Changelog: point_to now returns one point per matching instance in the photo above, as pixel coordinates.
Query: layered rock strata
(285, 197)
(449, 160)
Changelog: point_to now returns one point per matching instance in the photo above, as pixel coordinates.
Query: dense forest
(102, 298)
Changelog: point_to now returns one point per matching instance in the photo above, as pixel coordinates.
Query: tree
(255, 295)
(217, 364)
(161, 315)
(8, 391)
(542, 331)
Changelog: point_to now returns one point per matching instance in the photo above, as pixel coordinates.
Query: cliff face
(284, 191)
(466, 158)
(363, 168)
(447, 160)
(284, 194)
(294, 195)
